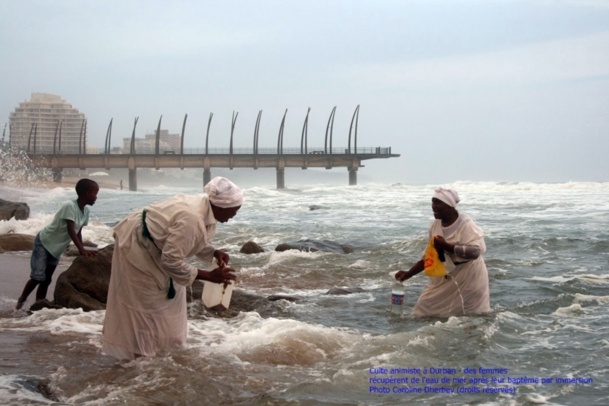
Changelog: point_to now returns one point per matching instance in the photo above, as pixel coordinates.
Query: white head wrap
(448, 196)
(223, 193)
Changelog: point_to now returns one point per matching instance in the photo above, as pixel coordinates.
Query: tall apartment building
(167, 143)
(51, 120)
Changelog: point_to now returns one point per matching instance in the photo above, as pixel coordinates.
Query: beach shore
(15, 272)
(15, 265)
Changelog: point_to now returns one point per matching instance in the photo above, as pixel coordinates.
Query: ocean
(546, 340)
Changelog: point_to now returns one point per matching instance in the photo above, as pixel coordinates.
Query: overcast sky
(495, 90)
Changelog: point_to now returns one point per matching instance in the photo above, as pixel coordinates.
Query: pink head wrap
(448, 196)
(223, 193)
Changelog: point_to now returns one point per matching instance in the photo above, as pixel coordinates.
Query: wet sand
(15, 272)
(26, 356)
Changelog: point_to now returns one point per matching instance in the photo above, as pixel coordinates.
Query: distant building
(168, 143)
(47, 123)
(93, 149)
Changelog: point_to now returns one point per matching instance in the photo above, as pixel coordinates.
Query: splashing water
(18, 169)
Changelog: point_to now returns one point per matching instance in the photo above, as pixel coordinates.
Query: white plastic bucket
(217, 294)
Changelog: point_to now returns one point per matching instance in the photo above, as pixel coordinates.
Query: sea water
(545, 341)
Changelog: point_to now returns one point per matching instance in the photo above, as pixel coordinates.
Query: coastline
(15, 272)
(15, 265)
(66, 182)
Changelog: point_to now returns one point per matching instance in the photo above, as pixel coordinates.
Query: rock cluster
(19, 210)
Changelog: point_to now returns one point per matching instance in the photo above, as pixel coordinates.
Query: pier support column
(132, 174)
(355, 164)
(133, 179)
(280, 178)
(206, 176)
(280, 173)
(352, 178)
(57, 175)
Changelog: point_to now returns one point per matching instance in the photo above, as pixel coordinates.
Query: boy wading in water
(52, 240)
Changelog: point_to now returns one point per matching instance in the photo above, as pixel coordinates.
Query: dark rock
(85, 283)
(25, 242)
(72, 251)
(44, 304)
(314, 246)
(34, 384)
(242, 301)
(294, 246)
(343, 291)
(16, 242)
(251, 247)
(19, 210)
(316, 207)
(195, 292)
(274, 298)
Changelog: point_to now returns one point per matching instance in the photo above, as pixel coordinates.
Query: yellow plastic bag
(433, 265)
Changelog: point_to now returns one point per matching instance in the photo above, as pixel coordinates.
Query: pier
(349, 157)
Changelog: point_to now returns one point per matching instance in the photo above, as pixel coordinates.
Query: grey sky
(496, 90)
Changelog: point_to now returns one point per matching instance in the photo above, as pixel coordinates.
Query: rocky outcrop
(251, 247)
(19, 210)
(85, 283)
(16, 242)
(72, 251)
(25, 242)
(344, 291)
(314, 246)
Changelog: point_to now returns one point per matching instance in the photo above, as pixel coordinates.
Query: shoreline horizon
(66, 182)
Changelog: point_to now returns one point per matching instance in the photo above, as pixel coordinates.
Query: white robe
(466, 289)
(140, 319)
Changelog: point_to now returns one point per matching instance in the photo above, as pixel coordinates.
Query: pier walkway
(316, 158)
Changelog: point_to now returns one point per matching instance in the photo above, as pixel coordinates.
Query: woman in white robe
(146, 307)
(465, 289)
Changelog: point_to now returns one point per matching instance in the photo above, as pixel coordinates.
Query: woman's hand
(221, 257)
(221, 274)
(440, 243)
(417, 268)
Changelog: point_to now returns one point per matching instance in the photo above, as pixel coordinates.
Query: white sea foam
(601, 279)
(422, 341)
(536, 398)
(553, 279)
(30, 226)
(275, 340)
(278, 257)
(361, 264)
(58, 321)
(601, 300)
(572, 310)
(17, 390)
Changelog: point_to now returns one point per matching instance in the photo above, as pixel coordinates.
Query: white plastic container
(217, 294)
(397, 297)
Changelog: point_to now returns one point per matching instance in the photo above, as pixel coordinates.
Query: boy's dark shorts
(41, 259)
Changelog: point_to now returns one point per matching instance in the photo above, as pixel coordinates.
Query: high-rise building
(167, 143)
(47, 124)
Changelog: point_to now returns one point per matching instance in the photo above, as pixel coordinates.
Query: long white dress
(140, 319)
(466, 289)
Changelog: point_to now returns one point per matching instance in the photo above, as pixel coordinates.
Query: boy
(52, 240)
